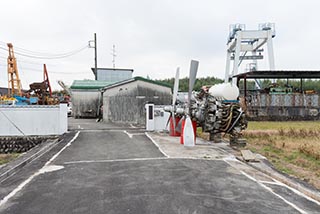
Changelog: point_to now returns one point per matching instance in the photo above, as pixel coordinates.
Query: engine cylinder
(225, 91)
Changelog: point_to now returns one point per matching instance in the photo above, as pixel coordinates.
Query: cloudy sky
(152, 37)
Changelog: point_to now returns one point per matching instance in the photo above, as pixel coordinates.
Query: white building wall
(85, 103)
(33, 120)
(114, 75)
(126, 101)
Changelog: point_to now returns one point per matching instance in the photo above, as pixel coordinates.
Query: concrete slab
(153, 186)
(259, 171)
(108, 170)
(248, 155)
(172, 148)
(109, 145)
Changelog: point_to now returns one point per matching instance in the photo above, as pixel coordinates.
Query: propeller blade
(179, 125)
(168, 121)
(174, 98)
(176, 87)
(174, 123)
(188, 133)
(192, 77)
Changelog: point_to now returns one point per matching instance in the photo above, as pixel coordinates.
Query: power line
(28, 61)
(53, 72)
(68, 54)
(26, 51)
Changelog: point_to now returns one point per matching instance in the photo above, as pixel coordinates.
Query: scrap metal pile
(39, 93)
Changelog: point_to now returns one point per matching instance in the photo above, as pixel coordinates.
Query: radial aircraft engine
(216, 109)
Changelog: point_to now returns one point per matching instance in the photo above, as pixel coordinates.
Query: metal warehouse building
(86, 97)
(86, 94)
(125, 101)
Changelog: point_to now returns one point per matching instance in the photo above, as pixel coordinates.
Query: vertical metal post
(245, 86)
(95, 55)
(227, 74)
(270, 51)
(236, 56)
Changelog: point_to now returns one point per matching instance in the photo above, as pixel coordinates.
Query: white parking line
(129, 135)
(272, 183)
(157, 145)
(271, 190)
(275, 182)
(132, 126)
(296, 191)
(40, 171)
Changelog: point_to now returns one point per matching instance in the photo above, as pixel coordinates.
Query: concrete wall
(126, 103)
(85, 103)
(33, 120)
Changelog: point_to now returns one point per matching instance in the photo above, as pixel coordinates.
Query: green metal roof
(135, 79)
(153, 81)
(89, 84)
(95, 84)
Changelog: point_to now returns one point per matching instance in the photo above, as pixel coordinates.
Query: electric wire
(48, 57)
(54, 72)
(38, 53)
(28, 61)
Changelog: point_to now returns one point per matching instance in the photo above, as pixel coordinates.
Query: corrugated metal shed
(86, 97)
(125, 101)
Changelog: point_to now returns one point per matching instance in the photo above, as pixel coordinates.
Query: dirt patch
(5, 158)
(292, 150)
(292, 147)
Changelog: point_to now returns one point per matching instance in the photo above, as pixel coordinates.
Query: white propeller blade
(176, 87)
(174, 98)
(188, 133)
(192, 77)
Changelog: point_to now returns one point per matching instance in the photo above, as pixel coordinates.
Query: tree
(184, 82)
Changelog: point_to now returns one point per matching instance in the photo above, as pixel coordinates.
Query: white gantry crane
(247, 45)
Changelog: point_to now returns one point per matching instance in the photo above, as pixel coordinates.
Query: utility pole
(94, 45)
(95, 54)
(114, 56)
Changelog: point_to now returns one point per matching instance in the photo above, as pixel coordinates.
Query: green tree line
(184, 82)
(295, 84)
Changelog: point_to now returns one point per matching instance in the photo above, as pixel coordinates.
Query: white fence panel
(33, 120)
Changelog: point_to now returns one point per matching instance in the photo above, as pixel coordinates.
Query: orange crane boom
(14, 83)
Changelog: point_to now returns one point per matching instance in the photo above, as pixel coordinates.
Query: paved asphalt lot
(103, 168)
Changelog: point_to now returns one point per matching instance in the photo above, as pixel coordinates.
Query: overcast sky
(152, 37)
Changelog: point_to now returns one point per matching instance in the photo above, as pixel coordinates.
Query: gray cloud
(153, 37)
